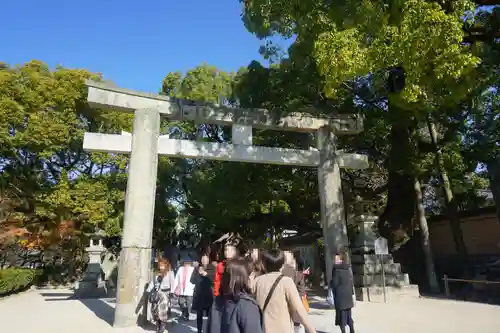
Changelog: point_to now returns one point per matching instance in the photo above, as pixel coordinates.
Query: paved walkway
(49, 311)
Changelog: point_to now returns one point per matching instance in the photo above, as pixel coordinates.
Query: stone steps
(376, 293)
(368, 268)
(396, 280)
(371, 259)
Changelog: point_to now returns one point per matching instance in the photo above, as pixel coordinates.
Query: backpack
(243, 298)
(154, 296)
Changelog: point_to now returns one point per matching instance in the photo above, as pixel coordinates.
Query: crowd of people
(263, 291)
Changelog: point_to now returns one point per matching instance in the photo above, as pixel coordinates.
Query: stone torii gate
(145, 143)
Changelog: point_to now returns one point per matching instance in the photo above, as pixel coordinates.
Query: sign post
(382, 249)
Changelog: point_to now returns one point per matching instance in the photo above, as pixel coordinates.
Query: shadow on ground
(182, 328)
(99, 307)
(318, 302)
(319, 306)
(105, 312)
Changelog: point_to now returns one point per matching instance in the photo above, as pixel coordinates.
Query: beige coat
(284, 304)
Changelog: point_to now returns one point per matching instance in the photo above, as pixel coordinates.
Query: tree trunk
(400, 207)
(451, 203)
(426, 243)
(494, 176)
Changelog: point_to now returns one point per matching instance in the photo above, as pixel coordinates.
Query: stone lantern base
(367, 268)
(92, 283)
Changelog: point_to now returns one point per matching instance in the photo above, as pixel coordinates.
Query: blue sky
(133, 43)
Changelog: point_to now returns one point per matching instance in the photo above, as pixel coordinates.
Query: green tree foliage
(401, 57)
(44, 168)
(272, 197)
(47, 179)
(207, 84)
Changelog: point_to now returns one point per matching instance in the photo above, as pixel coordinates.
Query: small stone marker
(381, 246)
(382, 249)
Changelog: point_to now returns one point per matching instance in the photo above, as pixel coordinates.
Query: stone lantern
(91, 284)
(365, 213)
(365, 217)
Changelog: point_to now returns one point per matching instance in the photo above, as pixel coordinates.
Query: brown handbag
(305, 302)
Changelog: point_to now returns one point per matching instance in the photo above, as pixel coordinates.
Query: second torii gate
(145, 143)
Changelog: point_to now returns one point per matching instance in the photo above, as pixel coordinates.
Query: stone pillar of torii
(145, 143)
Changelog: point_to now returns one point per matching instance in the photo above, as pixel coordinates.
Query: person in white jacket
(183, 288)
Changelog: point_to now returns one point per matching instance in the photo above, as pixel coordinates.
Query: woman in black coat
(202, 278)
(342, 287)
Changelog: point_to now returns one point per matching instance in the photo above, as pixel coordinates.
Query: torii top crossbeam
(107, 96)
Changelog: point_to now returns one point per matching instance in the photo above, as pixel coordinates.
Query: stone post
(330, 194)
(135, 257)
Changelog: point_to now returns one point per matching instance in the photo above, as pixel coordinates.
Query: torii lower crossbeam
(116, 143)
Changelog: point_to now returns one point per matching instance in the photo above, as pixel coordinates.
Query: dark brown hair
(235, 278)
(272, 260)
(213, 255)
(258, 268)
(298, 260)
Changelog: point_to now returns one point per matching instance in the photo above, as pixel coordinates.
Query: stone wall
(481, 234)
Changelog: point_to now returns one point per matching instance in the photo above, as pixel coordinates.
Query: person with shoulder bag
(278, 297)
(159, 294)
